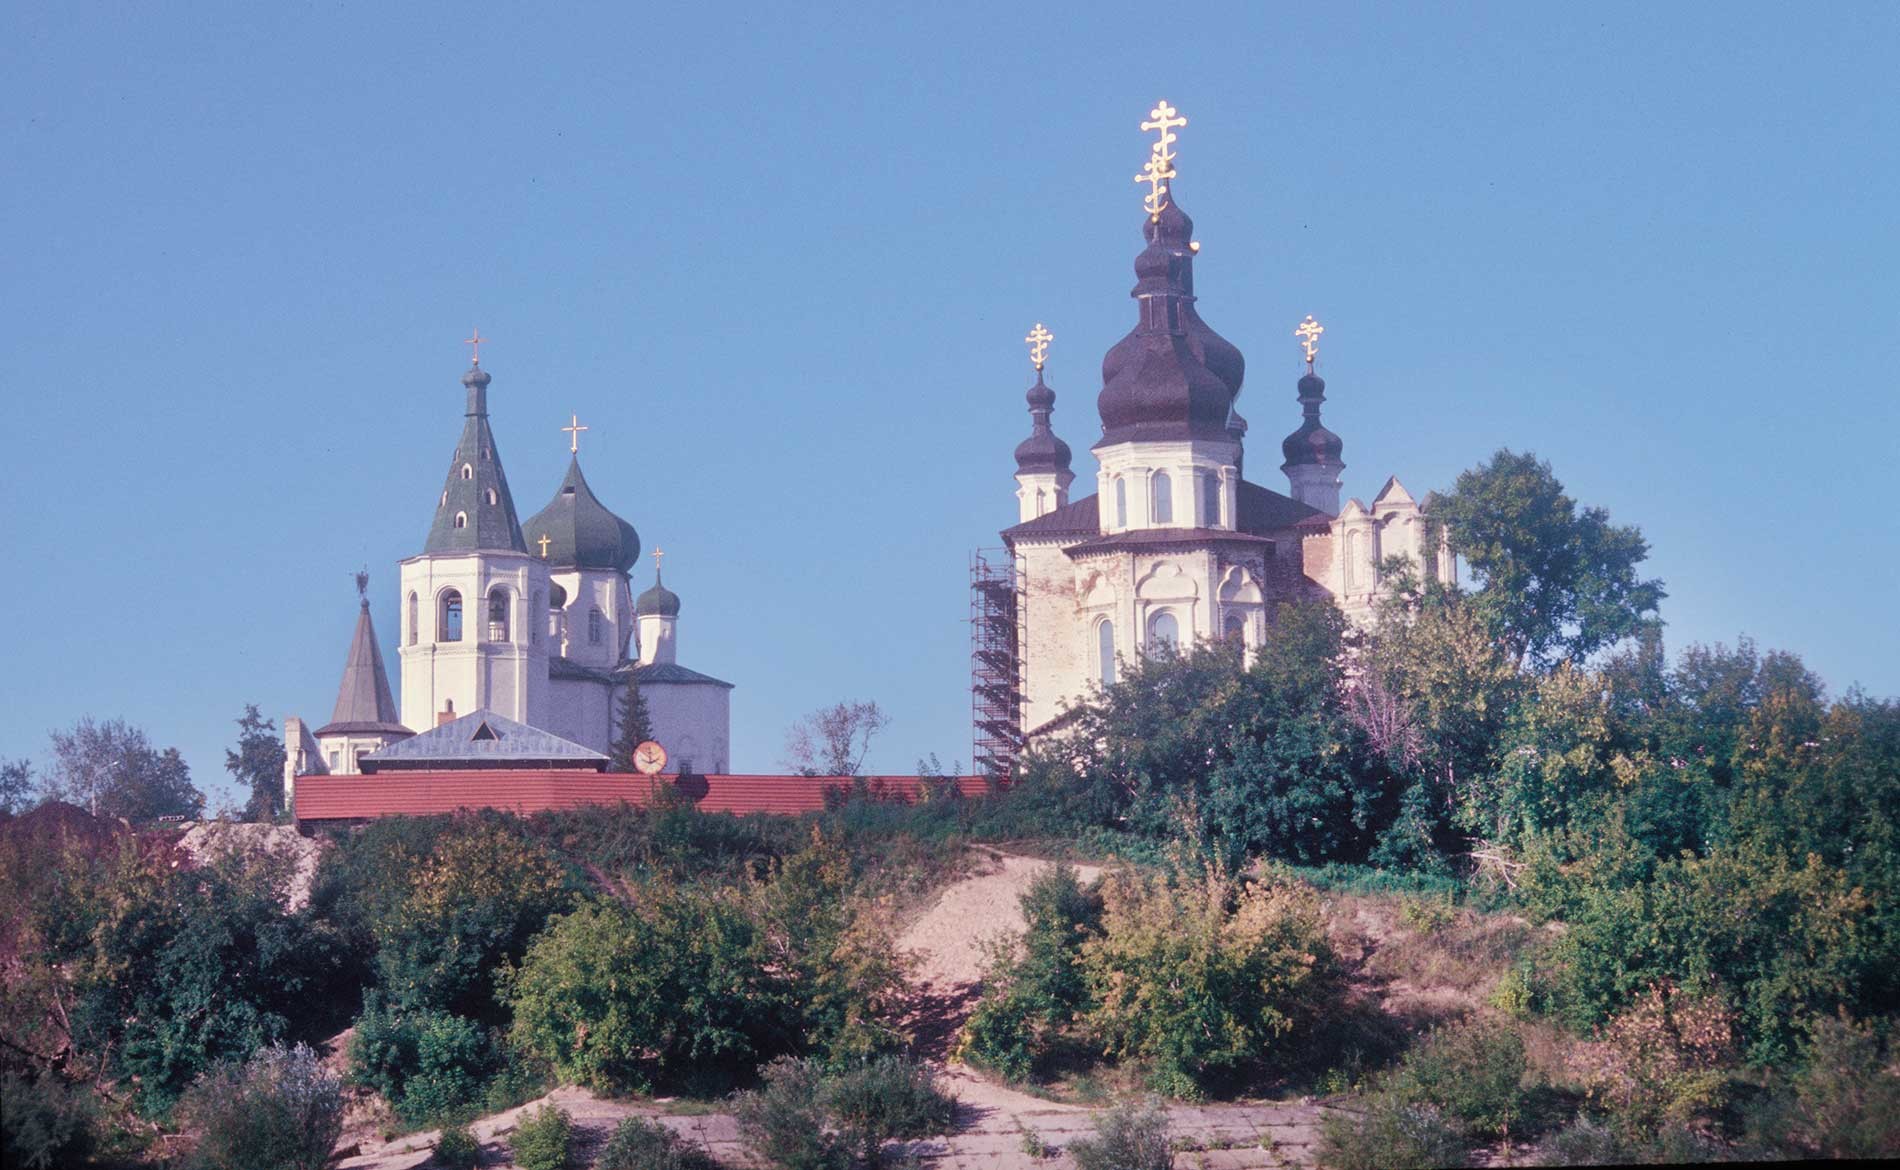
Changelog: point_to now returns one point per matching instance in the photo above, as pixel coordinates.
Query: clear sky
(780, 258)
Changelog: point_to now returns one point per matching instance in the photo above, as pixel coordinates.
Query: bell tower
(470, 635)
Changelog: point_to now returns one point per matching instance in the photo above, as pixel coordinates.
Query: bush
(620, 997)
(457, 1149)
(1843, 1104)
(1201, 977)
(1034, 989)
(428, 1065)
(1473, 1073)
(540, 1142)
(1127, 1137)
(785, 1122)
(639, 1144)
(1666, 1059)
(45, 1124)
(281, 1110)
(883, 1099)
(805, 1119)
(1391, 1134)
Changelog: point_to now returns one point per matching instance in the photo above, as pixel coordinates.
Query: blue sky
(780, 263)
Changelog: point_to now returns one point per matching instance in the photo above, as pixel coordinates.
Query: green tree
(257, 763)
(111, 770)
(832, 741)
(16, 785)
(636, 727)
(1555, 582)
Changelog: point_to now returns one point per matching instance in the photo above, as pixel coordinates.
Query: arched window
(534, 628)
(1235, 628)
(1121, 502)
(498, 614)
(461, 519)
(1105, 650)
(448, 622)
(1164, 634)
(468, 471)
(414, 606)
(1354, 541)
(557, 613)
(596, 626)
(445, 500)
(1210, 501)
(493, 499)
(1164, 498)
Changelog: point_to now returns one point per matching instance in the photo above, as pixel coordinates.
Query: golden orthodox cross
(573, 429)
(544, 542)
(475, 339)
(1163, 118)
(658, 553)
(1308, 333)
(1039, 339)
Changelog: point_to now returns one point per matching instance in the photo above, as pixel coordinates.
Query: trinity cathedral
(517, 641)
(1175, 544)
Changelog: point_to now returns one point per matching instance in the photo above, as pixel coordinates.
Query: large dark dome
(1171, 377)
(581, 533)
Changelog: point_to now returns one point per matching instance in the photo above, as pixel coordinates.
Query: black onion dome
(658, 600)
(1041, 451)
(1312, 443)
(581, 532)
(1171, 377)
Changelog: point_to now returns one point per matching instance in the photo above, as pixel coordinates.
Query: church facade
(1174, 543)
(535, 624)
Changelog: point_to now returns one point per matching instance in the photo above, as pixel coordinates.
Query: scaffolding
(996, 664)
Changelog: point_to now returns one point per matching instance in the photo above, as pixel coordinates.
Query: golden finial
(659, 554)
(573, 429)
(1308, 333)
(475, 339)
(1163, 118)
(1039, 339)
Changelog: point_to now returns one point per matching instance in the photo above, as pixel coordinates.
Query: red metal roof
(351, 798)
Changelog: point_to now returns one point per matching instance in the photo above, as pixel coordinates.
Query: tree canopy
(112, 770)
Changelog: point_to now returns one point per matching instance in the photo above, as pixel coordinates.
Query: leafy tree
(16, 785)
(1033, 991)
(636, 727)
(1555, 582)
(257, 763)
(833, 741)
(111, 770)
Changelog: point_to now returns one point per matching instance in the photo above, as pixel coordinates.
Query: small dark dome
(1312, 443)
(476, 378)
(658, 600)
(581, 533)
(1041, 451)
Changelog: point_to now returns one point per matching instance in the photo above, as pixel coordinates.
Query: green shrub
(1390, 1133)
(45, 1123)
(541, 1141)
(1000, 1034)
(621, 997)
(804, 1118)
(884, 1099)
(1844, 1103)
(639, 1144)
(784, 1120)
(1202, 977)
(1127, 1137)
(281, 1110)
(428, 1065)
(1034, 989)
(1473, 1073)
(457, 1149)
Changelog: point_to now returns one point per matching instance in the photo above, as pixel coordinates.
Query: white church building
(1175, 543)
(536, 624)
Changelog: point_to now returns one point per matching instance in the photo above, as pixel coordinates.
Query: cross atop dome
(1160, 167)
(1308, 333)
(475, 340)
(1039, 339)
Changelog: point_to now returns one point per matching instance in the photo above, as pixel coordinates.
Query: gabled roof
(1081, 517)
(483, 739)
(669, 672)
(1263, 511)
(1393, 493)
(364, 704)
